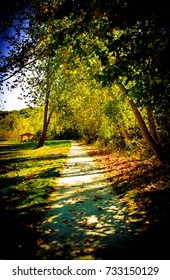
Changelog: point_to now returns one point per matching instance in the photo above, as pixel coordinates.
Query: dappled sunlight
(84, 216)
(86, 220)
(27, 178)
(83, 212)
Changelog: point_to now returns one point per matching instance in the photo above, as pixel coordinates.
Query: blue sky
(9, 99)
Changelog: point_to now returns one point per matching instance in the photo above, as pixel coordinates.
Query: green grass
(27, 178)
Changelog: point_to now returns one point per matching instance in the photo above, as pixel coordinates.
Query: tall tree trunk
(152, 125)
(153, 145)
(47, 115)
(126, 134)
(45, 128)
(46, 120)
(45, 125)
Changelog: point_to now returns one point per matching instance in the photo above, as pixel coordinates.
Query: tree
(152, 125)
(45, 85)
(64, 21)
(145, 132)
(80, 104)
(47, 89)
(15, 123)
(122, 37)
(116, 110)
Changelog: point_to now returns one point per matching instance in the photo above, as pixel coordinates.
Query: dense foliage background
(98, 69)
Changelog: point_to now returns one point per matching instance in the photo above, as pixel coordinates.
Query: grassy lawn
(27, 178)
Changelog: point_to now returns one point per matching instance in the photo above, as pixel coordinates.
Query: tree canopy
(123, 45)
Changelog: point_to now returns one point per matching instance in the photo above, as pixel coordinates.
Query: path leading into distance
(85, 219)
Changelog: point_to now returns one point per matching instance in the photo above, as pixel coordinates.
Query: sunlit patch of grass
(27, 178)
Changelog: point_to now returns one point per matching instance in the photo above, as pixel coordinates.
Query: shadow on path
(87, 221)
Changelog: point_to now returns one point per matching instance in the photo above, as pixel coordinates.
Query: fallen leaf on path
(89, 250)
(98, 197)
(78, 191)
(83, 223)
(40, 241)
(91, 226)
(73, 219)
(51, 230)
(80, 201)
(90, 240)
(73, 211)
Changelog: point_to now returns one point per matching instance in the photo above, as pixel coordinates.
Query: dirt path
(85, 220)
